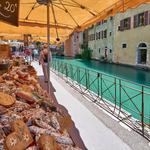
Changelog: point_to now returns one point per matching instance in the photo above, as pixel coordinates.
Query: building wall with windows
(71, 45)
(101, 38)
(132, 36)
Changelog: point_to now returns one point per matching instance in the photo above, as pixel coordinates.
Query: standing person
(35, 54)
(28, 55)
(43, 60)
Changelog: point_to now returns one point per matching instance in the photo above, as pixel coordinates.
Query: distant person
(43, 60)
(35, 54)
(13, 50)
(28, 55)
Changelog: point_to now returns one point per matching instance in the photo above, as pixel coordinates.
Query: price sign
(9, 11)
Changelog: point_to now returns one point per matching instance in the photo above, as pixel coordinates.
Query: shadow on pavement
(73, 131)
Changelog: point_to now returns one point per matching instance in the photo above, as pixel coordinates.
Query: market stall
(5, 55)
(28, 117)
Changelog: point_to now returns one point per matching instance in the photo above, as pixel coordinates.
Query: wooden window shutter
(121, 25)
(146, 18)
(129, 23)
(149, 17)
(135, 21)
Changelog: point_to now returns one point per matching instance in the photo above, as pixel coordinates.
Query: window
(110, 33)
(111, 17)
(105, 34)
(124, 45)
(110, 50)
(83, 35)
(99, 50)
(125, 24)
(104, 21)
(99, 35)
(93, 36)
(141, 19)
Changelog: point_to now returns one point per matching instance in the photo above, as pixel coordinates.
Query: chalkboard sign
(9, 11)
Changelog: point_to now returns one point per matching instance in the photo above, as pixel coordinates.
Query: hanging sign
(9, 11)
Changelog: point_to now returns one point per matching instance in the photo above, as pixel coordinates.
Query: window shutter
(102, 34)
(146, 18)
(121, 25)
(99, 35)
(149, 17)
(135, 21)
(129, 23)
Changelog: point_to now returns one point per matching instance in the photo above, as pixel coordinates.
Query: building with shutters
(132, 37)
(101, 39)
(71, 45)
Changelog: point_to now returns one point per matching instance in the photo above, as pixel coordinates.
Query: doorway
(142, 54)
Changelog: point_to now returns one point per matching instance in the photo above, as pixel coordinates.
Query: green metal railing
(128, 101)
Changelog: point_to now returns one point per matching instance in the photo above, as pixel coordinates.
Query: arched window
(142, 45)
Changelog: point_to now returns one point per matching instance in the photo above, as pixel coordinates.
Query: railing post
(78, 74)
(58, 68)
(115, 94)
(71, 72)
(120, 96)
(87, 78)
(142, 113)
(98, 75)
(101, 86)
(66, 71)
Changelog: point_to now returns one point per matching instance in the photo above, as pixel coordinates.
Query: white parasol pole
(48, 44)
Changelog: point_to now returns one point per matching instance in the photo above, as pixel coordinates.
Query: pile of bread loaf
(28, 118)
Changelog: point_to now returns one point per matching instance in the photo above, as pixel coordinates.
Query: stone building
(101, 39)
(71, 45)
(132, 37)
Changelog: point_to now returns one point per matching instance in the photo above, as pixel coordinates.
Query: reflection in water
(141, 77)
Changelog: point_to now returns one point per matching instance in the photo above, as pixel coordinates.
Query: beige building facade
(101, 37)
(123, 38)
(132, 37)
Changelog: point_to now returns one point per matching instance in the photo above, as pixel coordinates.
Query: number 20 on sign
(10, 7)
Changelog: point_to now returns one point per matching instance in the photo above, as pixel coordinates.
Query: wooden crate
(5, 52)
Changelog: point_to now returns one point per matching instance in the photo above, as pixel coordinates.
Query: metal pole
(142, 112)
(48, 44)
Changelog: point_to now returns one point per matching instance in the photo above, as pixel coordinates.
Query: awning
(70, 15)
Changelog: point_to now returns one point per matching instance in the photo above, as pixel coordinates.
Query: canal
(125, 72)
(124, 86)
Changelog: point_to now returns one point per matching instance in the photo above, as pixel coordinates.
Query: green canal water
(125, 93)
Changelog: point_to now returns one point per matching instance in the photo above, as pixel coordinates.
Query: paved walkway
(95, 134)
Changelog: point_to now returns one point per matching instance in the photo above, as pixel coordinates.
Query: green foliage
(78, 56)
(86, 53)
(83, 46)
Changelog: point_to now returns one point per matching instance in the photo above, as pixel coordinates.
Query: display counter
(28, 117)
